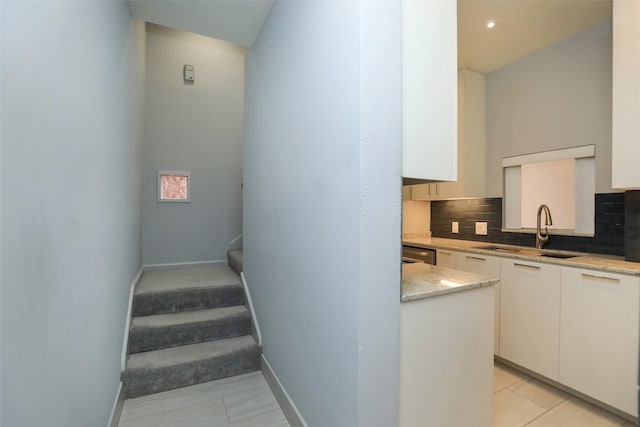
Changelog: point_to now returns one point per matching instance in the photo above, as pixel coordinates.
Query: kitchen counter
(611, 263)
(426, 281)
(446, 325)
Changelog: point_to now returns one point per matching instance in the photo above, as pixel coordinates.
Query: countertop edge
(420, 281)
(606, 263)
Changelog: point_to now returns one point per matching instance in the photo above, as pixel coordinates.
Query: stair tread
(186, 278)
(189, 353)
(186, 317)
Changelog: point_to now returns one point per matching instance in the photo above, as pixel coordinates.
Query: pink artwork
(174, 187)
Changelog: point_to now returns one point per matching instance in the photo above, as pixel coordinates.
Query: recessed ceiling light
(491, 24)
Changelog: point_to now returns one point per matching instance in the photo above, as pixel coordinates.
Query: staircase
(189, 326)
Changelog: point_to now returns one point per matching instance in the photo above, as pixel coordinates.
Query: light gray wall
(322, 205)
(195, 127)
(72, 98)
(558, 97)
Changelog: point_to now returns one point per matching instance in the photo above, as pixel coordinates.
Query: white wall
(72, 92)
(322, 205)
(416, 216)
(558, 97)
(195, 127)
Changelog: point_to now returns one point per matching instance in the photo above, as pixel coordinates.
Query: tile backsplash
(610, 224)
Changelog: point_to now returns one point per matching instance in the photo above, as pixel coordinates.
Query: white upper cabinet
(471, 144)
(429, 90)
(471, 139)
(626, 94)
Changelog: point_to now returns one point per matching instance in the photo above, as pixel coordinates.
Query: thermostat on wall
(188, 73)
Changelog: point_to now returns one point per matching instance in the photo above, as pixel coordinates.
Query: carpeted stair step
(234, 256)
(167, 369)
(174, 329)
(168, 291)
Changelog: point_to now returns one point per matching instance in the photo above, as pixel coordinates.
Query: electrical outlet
(454, 227)
(481, 228)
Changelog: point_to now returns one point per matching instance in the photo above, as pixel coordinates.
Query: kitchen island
(447, 327)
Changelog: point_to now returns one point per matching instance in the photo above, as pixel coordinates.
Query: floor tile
(512, 410)
(504, 377)
(577, 413)
(245, 399)
(196, 415)
(250, 404)
(539, 393)
(273, 418)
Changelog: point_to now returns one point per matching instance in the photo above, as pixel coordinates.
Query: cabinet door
(625, 94)
(433, 191)
(445, 258)
(422, 192)
(406, 193)
(530, 315)
(486, 266)
(599, 329)
(429, 90)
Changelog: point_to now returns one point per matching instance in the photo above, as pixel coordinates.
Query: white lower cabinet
(446, 360)
(445, 258)
(489, 267)
(599, 328)
(530, 315)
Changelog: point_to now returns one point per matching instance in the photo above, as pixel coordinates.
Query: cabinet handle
(532, 267)
(606, 279)
(476, 258)
(429, 187)
(437, 190)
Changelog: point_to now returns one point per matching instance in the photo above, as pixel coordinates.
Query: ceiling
(522, 27)
(236, 21)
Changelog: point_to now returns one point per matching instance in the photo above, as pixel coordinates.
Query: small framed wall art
(174, 186)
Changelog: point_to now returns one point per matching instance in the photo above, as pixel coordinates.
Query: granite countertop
(611, 263)
(425, 281)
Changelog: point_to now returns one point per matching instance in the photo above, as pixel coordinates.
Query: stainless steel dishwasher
(414, 254)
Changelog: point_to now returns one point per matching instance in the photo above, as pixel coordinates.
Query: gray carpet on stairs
(190, 326)
(235, 260)
(161, 370)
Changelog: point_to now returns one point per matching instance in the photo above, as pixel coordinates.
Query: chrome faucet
(540, 239)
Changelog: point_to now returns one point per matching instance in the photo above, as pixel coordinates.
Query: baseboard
(125, 340)
(284, 400)
(210, 263)
(116, 411)
(254, 318)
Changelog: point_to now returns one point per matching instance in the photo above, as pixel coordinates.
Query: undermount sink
(561, 256)
(528, 251)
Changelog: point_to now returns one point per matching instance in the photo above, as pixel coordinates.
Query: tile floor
(519, 400)
(247, 401)
(241, 401)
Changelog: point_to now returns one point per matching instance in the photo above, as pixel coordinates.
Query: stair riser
(140, 382)
(189, 299)
(147, 339)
